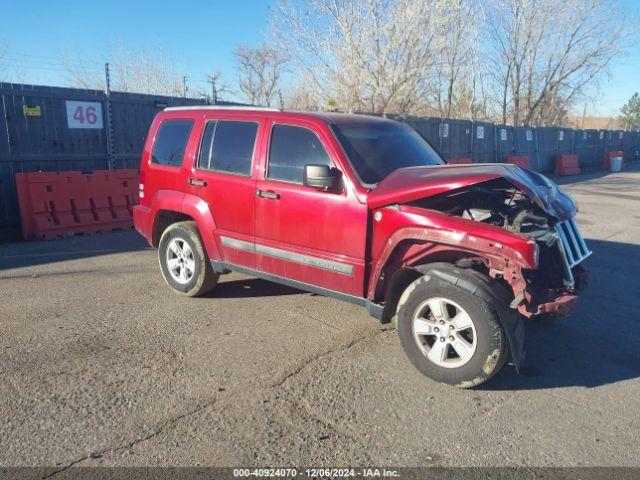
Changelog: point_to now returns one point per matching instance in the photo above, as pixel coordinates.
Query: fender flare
(498, 256)
(194, 207)
(199, 210)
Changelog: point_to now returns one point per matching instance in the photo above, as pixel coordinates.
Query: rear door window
(227, 146)
(171, 142)
(291, 149)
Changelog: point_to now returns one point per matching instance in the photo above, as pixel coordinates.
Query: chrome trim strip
(238, 244)
(305, 259)
(289, 256)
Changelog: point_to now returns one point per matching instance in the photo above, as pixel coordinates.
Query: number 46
(88, 114)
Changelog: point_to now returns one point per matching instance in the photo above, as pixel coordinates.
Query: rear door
(223, 175)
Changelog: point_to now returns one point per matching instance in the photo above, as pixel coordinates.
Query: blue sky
(200, 34)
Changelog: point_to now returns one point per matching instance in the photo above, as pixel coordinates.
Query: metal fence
(490, 143)
(56, 129)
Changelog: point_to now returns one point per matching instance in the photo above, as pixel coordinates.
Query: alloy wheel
(444, 332)
(181, 263)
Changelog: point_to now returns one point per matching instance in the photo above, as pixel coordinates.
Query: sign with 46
(84, 114)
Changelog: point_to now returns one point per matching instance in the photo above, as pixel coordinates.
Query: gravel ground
(101, 364)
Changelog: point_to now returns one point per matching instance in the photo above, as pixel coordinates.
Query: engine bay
(498, 202)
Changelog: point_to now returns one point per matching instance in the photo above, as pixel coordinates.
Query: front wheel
(184, 264)
(449, 334)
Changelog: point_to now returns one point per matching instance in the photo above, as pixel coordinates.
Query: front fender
(430, 232)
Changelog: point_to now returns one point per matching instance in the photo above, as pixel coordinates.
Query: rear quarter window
(171, 142)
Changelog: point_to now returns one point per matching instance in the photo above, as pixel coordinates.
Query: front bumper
(562, 305)
(559, 302)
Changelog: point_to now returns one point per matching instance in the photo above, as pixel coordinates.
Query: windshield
(376, 149)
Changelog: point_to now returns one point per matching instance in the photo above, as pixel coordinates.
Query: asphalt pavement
(101, 364)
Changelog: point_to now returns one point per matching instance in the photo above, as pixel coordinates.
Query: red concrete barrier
(65, 203)
(459, 161)
(567, 165)
(521, 161)
(606, 164)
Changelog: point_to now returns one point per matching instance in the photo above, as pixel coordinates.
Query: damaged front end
(527, 204)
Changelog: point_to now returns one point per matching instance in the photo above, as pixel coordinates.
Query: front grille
(573, 247)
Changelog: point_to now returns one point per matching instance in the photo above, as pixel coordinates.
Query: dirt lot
(101, 364)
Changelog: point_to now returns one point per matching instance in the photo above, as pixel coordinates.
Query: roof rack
(222, 107)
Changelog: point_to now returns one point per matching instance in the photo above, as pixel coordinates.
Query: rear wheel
(449, 334)
(184, 264)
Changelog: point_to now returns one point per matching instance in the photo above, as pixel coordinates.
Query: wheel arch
(163, 219)
(186, 207)
(411, 246)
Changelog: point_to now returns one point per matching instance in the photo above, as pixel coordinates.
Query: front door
(303, 234)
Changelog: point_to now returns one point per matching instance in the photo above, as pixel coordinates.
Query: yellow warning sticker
(31, 111)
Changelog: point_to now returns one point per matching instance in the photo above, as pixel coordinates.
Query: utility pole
(109, 118)
(214, 91)
(184, 86)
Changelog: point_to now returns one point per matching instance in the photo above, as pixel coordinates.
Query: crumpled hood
(412, 183)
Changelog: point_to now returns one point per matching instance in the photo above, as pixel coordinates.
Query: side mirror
(323, 177)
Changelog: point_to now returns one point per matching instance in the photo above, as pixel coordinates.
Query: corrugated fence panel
(35, 134)
(460, 139)
(453, 137)
(428, 128)
(525, 145)
(588, 147)
(551, 142)
(631, 146)
(505, 142)
(484, 142)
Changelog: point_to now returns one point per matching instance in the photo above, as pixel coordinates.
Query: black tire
(491, 350)
(203, 278)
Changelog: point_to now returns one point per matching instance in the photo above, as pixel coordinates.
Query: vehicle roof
(329, 117)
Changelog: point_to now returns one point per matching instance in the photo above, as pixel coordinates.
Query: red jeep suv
(363, 209)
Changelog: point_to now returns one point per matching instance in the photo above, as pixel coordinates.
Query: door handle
(196, 182)
(268, 194)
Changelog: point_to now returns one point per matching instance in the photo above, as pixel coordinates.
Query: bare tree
(455, 87)
(546, 53)
(259, 72)
(13, 67)
(132, 70)
(371, 55)
(82, 75)
(304, 95)
(218, 88)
